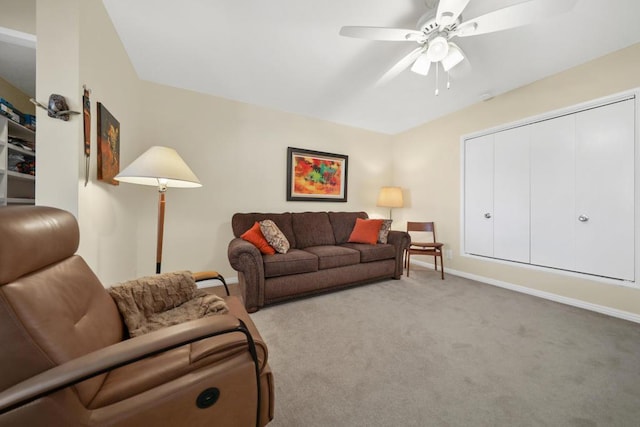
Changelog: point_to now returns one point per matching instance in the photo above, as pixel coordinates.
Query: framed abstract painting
(316, 176)
(108, 146)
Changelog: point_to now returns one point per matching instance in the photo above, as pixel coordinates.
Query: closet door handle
(583, 218)
(487, 215)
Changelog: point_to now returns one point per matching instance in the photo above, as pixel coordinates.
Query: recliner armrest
(120, 354)
(200, 276)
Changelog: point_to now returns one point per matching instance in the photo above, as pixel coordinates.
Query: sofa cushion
(312, 229)
(366, 231)
(241, 222)
(274, 236)
(384, 231)
(369, 253)
(343, 223)
(254, 236)
(293, 262)
(334, 256)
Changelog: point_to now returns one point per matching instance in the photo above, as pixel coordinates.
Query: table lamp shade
(157, 166)
(390, 197)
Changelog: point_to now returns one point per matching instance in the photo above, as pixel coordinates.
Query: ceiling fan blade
(453, 58)
(381, 33)
(421, 65)
(400, 66)
(513, 16)
(449, 10)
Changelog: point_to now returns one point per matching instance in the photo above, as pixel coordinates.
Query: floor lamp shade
(158, 166)
(161, 167)
(390, 197)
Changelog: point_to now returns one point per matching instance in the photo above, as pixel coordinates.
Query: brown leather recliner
(65, 359)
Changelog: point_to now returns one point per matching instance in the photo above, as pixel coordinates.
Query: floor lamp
(390, 197)
(162, 167)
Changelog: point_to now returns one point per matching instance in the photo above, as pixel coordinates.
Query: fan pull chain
(437, 90)
(448, 80)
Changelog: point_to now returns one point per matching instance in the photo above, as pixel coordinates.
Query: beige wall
(239, 153)
(237, 150)
(77, 45)
(427, 164)
(16, 97)
(107, 213)
(57, 71)
(19, 15)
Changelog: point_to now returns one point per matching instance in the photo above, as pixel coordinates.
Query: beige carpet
(427, 352)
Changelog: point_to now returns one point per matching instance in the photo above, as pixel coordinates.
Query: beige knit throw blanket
(150, 303)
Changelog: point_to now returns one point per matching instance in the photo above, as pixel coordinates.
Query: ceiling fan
(438, 26)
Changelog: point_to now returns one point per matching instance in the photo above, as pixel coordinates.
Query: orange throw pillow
(255, 236)
(366, 231)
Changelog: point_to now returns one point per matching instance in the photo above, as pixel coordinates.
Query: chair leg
(408, 262)
(442, 267)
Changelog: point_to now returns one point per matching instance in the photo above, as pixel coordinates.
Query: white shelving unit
(15, 187)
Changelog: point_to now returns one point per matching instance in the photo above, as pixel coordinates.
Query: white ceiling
(287, 54)
(18, 59)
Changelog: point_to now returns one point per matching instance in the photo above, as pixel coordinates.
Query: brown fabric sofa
(66, 360)
(320, 258)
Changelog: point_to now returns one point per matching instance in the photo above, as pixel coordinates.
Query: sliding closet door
(552, 193)
(605, 190)
(558, 192)
(478, 190)
(511, 195)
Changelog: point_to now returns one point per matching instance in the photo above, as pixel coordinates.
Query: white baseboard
(621, 314)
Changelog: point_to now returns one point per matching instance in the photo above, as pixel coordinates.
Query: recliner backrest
(52, 306)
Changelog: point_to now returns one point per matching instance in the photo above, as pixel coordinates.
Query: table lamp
(390, 197)
(162, 167)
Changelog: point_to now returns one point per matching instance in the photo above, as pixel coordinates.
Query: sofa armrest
(246, 259)
(401, 241)
(120, 354)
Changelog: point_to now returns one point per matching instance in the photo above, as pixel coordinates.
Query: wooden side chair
(433, 248)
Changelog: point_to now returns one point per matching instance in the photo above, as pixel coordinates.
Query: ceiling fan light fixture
(421, 65)
(438, 49)
(453, 58)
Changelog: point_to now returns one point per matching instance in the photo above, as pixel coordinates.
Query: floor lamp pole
(160, 167)
(161, 202)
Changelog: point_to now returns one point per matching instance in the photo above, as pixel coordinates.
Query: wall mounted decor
(86, 110)
(57, 107)
(108, 146)
(316, 176)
